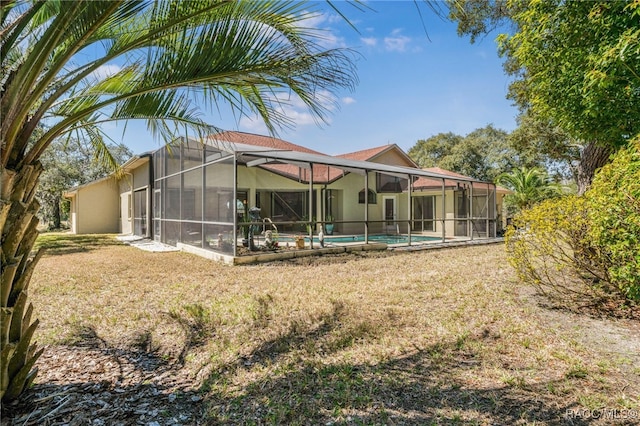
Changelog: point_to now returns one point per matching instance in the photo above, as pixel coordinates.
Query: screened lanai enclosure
(235, 199)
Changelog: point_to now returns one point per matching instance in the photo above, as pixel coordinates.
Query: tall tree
(546, 144)
(161, 54)
(482, 154)
(429, 152)
(576, 65)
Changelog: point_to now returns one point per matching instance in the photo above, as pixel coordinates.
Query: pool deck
(260, 257)
(447, 244)
(290, 253)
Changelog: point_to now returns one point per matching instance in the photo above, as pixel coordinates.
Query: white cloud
(369, 41)
(329, 40)
(396, 42)
(253, 124)
(315, 20)
(296, 111)
(104, 71)
(348, 100)
(326, 36)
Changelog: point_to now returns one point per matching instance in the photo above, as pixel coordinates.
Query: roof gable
(321, 174)
(381, 153)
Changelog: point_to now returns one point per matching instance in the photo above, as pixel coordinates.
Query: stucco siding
(96, 208)
(392, 158)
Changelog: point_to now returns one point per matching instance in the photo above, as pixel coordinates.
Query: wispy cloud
(347, 100)
(327, 37)
(296, 111)
(369, 41)
(396, 42)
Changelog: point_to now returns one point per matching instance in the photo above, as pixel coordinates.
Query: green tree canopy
(578, 63)
(541, 143)
(576, 66)
(429, 152)
(483, 154)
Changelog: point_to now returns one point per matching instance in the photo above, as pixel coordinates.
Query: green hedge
(589, 246)
(614, 219)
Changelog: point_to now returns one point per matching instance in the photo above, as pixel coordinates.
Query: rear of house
(198, 194)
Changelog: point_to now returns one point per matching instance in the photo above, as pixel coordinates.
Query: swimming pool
(376, 238)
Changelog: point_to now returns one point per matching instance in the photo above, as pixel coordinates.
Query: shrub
(614, 219)
(585, 247)
(547, 248)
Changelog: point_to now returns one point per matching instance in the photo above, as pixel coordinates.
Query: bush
(585, 247)
(547, 248)
(614, 219)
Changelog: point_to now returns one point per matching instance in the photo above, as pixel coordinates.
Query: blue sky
(412, 85)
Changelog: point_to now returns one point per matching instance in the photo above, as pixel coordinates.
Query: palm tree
(163, 55)
(529, 185)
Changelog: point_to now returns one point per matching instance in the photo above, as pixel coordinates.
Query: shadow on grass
(140, 355)
(418, 389)
(64, 243)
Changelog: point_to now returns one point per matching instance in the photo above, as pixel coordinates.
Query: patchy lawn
(433, 337)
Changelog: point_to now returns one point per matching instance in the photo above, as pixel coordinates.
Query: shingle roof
(444, 172)
(259, 140)
(325, 173)
(365, 154)
(428, 183)
(321, 173)
(371, 153)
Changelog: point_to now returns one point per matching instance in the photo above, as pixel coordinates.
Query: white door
(125, 213)
(389, 213)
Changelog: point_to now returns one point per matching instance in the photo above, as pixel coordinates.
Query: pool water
(387, 239)
(376, 238)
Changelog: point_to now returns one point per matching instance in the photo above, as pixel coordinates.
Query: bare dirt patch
(613, 334)
(434, 337)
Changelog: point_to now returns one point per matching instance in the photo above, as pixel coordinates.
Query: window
(290, 206)
(372, 197)
(393, 184)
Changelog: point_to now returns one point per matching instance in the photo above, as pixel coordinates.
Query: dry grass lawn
(433, 337)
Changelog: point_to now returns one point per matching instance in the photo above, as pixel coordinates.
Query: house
(200, 195)
(92, 208)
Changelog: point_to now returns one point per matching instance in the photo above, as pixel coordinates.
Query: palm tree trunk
(592, 157)
(18, 221)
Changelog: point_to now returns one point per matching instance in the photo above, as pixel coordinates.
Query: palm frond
(242, 53)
